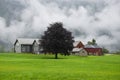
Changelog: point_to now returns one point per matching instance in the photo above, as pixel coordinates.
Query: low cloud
(98, 19)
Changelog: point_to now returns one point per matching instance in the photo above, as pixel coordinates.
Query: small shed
(79, 52)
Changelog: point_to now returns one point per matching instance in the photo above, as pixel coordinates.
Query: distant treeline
(2, 48)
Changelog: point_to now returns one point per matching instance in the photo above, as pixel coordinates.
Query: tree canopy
(104, 50)
(93, 42)
(57, 39)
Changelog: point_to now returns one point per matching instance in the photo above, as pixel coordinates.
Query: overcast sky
(87, 19)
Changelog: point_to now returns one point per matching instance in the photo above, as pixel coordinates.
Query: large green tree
(57, 39)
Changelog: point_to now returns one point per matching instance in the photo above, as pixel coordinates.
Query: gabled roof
(37, 41)
(76, 43)
(91, 46)
(25, 41)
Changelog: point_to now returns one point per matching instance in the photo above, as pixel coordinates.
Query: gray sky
(87, 19)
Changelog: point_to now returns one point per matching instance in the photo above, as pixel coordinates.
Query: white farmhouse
(79, 49)
(23, 45)
(79, 52)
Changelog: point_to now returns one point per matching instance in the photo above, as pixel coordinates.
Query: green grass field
(45, 67)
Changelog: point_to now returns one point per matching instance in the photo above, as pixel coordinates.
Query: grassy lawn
(44, 67)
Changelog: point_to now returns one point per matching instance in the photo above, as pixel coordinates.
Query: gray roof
(92, 46)
(26, 41)
(76, 49)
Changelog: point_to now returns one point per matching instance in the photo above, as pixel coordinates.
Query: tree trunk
(56, 56)
(65, 54)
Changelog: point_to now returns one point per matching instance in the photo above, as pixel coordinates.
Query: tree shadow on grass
(48, 57)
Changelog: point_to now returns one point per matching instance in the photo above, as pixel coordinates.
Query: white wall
(36, 48)
(18, 48)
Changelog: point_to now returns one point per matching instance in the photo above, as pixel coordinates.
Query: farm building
(37, 47)
(78, 44)
(23, 45)
(79, 49)
(79, 52)
(90, 49)
(93, 49)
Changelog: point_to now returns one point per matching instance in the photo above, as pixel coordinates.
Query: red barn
(89, 48)
(93, 49)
